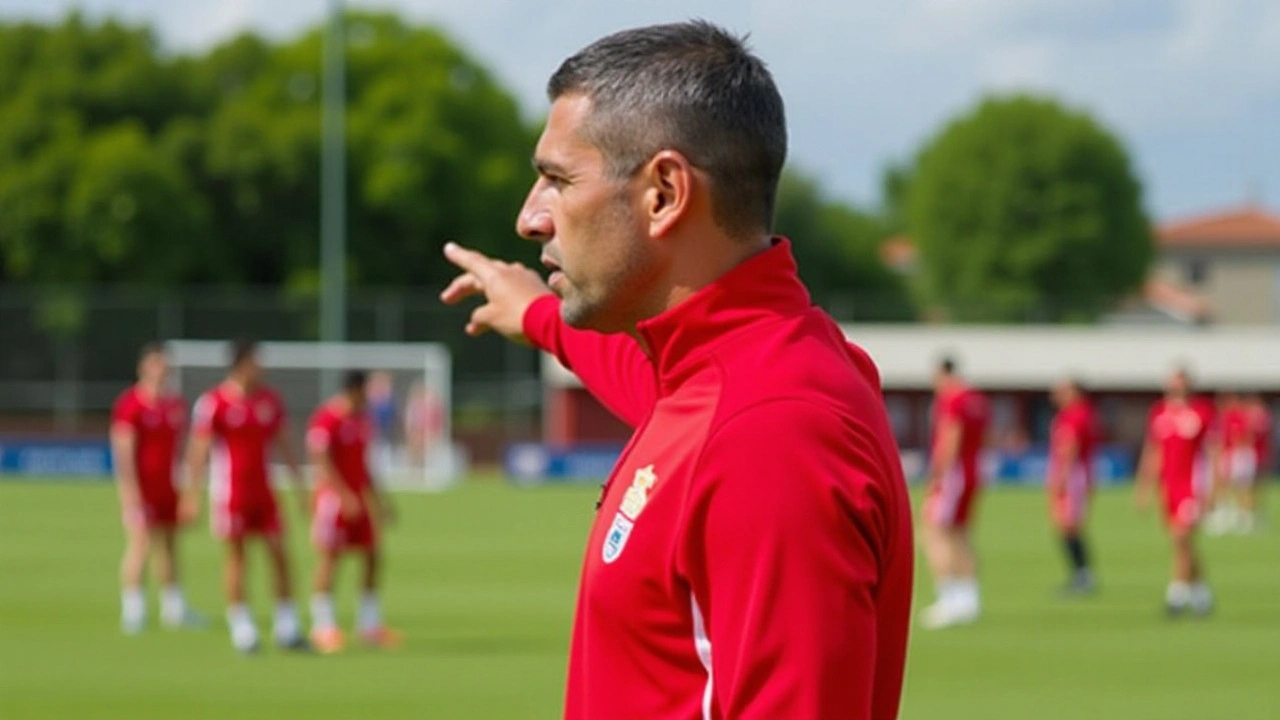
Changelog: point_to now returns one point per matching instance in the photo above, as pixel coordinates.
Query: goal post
(414, 446)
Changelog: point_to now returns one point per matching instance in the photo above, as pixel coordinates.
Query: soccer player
(1072, 440)
(751, 556)
(1174, 457)
(423, 424)
(960, 418)
(145, 424)
(1261, 430)
(1235, 467)
(382, 411)
(348, 513)
(238, 422)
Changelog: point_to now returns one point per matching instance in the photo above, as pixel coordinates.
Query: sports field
(482, 581)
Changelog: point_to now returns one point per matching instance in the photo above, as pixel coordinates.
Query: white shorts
(1242, 466)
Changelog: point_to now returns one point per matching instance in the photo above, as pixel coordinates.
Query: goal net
(409, 390)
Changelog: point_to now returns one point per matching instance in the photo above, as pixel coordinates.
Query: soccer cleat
(132, 625)
(942, 615)
(382, 637)
(298, 643)
(188, 620)
(245, 643)
(327, 641)
(1080, 585)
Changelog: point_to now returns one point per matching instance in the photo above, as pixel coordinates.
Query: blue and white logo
(616, 540)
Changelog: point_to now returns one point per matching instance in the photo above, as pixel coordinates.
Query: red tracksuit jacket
(752, 554)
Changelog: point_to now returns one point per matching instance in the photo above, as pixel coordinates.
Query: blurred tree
(121, 163)
(436, 151)
(837, 248)
(1025, 210)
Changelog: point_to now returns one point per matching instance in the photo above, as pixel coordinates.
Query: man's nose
(534, 221)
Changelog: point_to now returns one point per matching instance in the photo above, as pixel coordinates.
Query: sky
(1191, 86)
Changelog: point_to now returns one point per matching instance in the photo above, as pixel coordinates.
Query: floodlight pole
(333, 183)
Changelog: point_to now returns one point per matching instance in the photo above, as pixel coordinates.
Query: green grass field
(482, 581)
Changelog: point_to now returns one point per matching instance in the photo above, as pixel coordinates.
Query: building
(1222, 267)
(1229, 259)
(1124, 368)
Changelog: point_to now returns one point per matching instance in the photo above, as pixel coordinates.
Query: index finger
(476, 263)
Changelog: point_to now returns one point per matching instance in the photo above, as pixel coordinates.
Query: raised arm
(521, 307)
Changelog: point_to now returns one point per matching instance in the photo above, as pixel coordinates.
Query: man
(145, 424)
(1072, 441)
(238, 422)
(960, 418)
(382, 411)
(1263, 433)
(751, 554)
(1174, 457)
(1235, 466)
(348, 511)
(423, 424)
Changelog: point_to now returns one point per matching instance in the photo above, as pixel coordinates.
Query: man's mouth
(557, 275)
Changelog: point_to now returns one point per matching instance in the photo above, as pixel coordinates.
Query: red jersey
(1076, 424)
(971, 411)
(344, 437)
(1260, 420)
(157, 423)
(752, 553)
(1180, 430)
(1236, 427)
(243, 427)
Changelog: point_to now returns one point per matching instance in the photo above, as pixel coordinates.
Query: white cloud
(1194, 85)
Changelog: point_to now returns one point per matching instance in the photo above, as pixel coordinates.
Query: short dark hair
(947, 365)
(242, 349)
(155, 347)
(355, 380)
(695, 88)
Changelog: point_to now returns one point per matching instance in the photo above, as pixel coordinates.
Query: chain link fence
(66, 353)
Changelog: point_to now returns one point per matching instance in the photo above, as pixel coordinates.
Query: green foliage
(120, 163)
(1025, 210)
(838, 250)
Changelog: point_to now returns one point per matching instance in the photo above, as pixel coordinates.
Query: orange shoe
(328, 641)
(382, 637)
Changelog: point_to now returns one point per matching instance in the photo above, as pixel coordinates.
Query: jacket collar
(763, 287)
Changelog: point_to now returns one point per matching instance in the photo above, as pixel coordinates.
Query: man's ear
(669, 179)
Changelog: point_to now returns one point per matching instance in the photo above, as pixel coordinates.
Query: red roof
(1244, 227)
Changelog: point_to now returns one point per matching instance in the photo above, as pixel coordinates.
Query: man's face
(359, 399)
(154, 368)
(1179, 385)
(591, 225)
(250, 371)
(1062, 394)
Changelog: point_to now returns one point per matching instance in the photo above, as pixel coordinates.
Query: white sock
(1200, 596)
(322, 614)
(967, 594)
(946, 590)
(370, 614)
(133, 606)
(243, 632)
(1178, 594)
(173, 604)
(286, 625)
